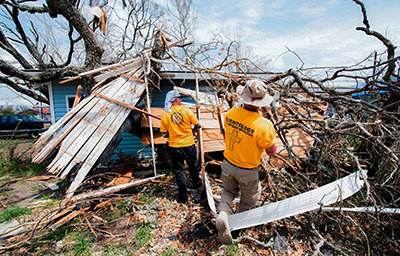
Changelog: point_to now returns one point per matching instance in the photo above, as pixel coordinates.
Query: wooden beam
(126, 105)
(78, 95)
(200, 134)
(91, 72)
(132, 78)
(114, 189)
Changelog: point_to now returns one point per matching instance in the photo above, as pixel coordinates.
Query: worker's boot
(199, 195)
(224, 233)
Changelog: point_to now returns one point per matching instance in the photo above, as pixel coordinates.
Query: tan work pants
(235, 179)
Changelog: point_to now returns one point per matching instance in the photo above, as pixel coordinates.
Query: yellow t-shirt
(178, 123)
(247, 135)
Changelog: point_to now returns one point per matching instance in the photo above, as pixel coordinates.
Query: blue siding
(167, 85)
(60, 91)
(130, 145)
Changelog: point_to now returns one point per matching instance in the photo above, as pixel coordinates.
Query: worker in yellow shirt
(247, 136)
(176, 124)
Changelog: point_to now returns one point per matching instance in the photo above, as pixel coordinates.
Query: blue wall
(167, 85)
(60, 91)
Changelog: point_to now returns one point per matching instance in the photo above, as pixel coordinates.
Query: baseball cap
(169, 98)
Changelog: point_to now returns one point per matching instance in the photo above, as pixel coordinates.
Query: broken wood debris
(114, 189)
(126, 105)
(82, 135)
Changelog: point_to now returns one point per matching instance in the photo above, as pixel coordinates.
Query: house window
(70, 101)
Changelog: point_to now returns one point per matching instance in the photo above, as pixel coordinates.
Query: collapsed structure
(86, 135)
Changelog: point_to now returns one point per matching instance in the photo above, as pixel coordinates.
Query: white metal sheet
(308, 201)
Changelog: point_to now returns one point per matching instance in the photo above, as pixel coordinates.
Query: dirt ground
(172, 228)
(144, 220)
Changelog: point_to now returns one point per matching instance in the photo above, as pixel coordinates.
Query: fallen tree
(360, 133)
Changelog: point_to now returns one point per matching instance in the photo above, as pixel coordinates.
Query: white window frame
(68, 96)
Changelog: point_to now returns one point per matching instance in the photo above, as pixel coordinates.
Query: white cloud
(323, 38)
(278, 8)
(313, 10)
(252, 13)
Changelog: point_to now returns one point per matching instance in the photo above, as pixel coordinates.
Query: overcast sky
(322, 33)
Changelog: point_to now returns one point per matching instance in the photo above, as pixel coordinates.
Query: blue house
(62, 97)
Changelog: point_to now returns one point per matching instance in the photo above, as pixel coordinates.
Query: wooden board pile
(83, 134)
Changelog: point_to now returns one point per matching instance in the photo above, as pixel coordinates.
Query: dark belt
(239, 166)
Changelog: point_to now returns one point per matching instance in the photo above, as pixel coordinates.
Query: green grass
(121, 208)
(43, 245)
(146, 198)
(49, 204)
(170, 251)
(158, 190)
(14, 212)
(20, 167)
(143, 236)
(5, 193)
(117, 249)
(83, 244)
(37, 188)
(15, 159)
(232, 249)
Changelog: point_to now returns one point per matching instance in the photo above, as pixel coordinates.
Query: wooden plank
(86, 140)
(213, 146)
(103, 140)
(114, 189)
(212, 134)
(64, 220)
(76, 141)
(60, 130)
(127, 105)
(78, 96)
(209, 119)
(62, 213)
(55, 127)
(124, 179)
(133, 78)
(200, 135)
(94, 71)
(115, 72)
(84, 128)
(59, 135)
(94, 147)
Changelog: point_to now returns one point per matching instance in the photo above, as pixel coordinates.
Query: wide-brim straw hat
(255, 94)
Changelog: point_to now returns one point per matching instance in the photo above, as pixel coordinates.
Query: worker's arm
(196, 127)
(271, 150)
